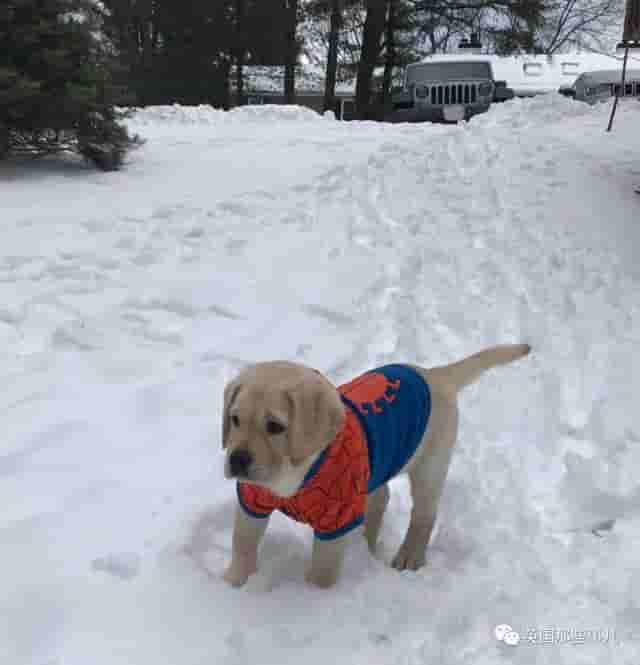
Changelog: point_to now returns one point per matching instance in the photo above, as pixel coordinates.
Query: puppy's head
(276, 415)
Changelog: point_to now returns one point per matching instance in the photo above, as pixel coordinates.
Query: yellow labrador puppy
(323, 455)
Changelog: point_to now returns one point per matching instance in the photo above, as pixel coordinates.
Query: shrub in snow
(54, 95)
(103, 141)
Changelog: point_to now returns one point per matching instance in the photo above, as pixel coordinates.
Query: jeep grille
(454, 93)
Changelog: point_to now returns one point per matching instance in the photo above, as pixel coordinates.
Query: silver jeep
(444, 91)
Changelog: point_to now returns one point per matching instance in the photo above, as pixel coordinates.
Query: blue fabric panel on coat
(393, 404)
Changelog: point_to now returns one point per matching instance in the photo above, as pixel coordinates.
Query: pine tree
(54, 95)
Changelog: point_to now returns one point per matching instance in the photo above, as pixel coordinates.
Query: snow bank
(274, 113)
(204, 114)
(528, 112)
(178, 114)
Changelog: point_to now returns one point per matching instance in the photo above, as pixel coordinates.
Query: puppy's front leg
(247, 534)
(326, 562)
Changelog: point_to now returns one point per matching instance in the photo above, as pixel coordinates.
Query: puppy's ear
(316, 415)
(230, 393)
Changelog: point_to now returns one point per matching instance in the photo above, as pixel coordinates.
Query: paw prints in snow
(126, 565)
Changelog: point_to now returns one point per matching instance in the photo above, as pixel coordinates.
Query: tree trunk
(291, 52)
(146, 27)
(4, 141)
(332, 57)
(225, 72)
(390, 60)
(240, 50)
(239, 82)
(632, 22)
(373, 28)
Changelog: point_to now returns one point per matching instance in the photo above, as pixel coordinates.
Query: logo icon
(505, 633)
(371, 391)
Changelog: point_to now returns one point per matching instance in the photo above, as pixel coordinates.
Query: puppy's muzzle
(239, 462)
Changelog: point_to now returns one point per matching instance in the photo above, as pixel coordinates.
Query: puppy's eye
(274, 428)
(235, 421)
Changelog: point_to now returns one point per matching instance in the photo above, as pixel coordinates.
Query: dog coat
(387, 412)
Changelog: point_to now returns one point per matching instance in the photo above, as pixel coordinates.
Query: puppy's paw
(237, 574)
(322, 580)
(407, 559)
(372, 543)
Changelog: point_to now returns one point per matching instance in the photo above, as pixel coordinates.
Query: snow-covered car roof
(608, 76)
(454, 58)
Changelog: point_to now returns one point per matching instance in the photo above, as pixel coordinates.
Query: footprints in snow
(333, 317)
(124, 566)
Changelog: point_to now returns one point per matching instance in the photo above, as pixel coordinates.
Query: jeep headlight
(485, 89)
(422, 91)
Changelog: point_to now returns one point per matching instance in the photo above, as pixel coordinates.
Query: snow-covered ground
(128, 299)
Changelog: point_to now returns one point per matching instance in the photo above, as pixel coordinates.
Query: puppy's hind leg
(377, 504)
(427, 474)
(411, 554)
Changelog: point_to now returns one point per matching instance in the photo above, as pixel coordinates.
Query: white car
(594, 87)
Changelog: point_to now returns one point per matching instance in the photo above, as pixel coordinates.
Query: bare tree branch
(570, 21)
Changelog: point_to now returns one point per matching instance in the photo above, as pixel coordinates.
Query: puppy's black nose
(239, 462)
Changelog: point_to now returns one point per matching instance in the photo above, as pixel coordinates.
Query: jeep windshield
(448, 71)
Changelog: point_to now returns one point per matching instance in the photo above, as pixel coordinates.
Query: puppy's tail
(461, 374)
